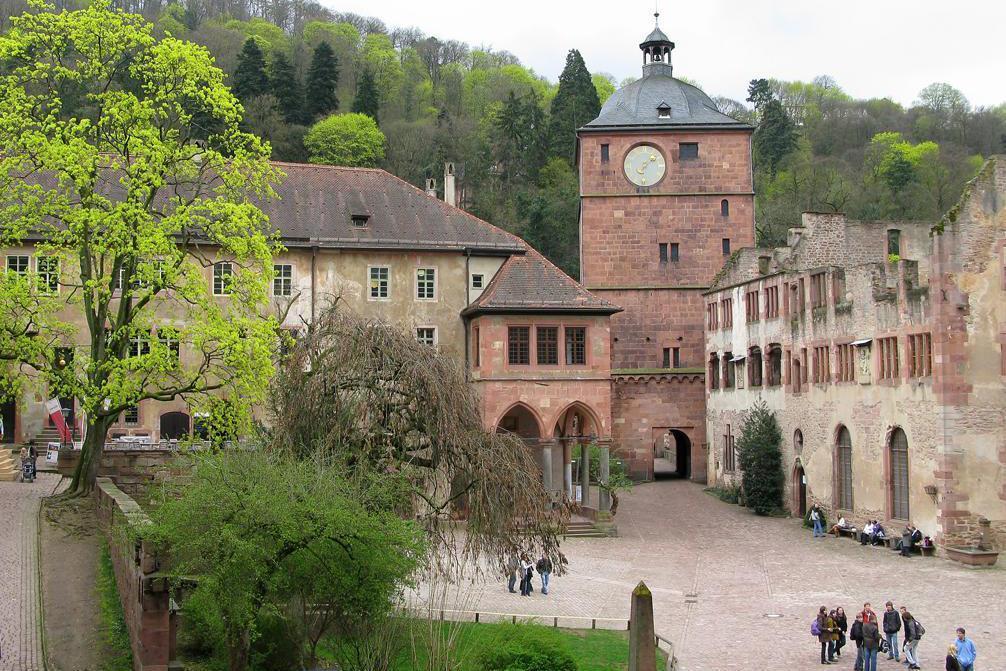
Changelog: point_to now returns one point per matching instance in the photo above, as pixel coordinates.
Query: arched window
(725, 208)
(774, 369)
(899, 475)
(754, 366)
(843, 471)
(798, 442)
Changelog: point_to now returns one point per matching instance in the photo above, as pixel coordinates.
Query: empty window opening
(675, 253)
(725, 208)
(894, 242)
(688, 151)
(360, 220)
(605, 153)
(667, 357)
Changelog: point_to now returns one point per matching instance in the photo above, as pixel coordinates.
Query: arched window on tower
(725, 208)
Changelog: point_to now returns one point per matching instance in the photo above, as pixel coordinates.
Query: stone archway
(798, 504)
(675, 456)
(574, 426)
(522, 421)
(174, 426)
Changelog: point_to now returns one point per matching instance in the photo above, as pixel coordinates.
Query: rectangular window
(675, 256)
(282, 281)
(714, 371)
(667, 357)
(168, 338)
(18, 263)
(426, 284)
(888, 350)
(802, 297)
(47, 268)
(675, 357)
(846, 362)
(818, 293)
(726, 246)
(477, 280)
(751, 306)
(728, 370)
(519, 345)
(427, 335)
(139, 345)
(729, 452)
(131, 415)
(223, 274)
(605, 156)
(728, 312)
(712, 314)
(838, 285)
(822, 365)
(804, 367)
(662, 250)
(476, 350)
(576, 345)
(547, 345)
(771, 302)
(894, 242)
(379, 282)
(688, 151)
(920, 355)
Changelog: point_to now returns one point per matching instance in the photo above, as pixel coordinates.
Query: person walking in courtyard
(953, 663)
(513, 564)
(834, 636)
(824, 634)
(843, 626)
(856, 634)
(525, 582)
(966, 651)
(544, 567)
(913, 633)
(816, 520)
(892, 625)
(871, 643)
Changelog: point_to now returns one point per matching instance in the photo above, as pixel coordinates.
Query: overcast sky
(875, 48)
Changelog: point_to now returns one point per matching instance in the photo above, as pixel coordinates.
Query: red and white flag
(55, 409)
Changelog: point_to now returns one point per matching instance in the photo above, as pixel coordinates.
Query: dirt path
(71, 547)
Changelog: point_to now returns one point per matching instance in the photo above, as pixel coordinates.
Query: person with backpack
(816, 520)
(871, 643)
(856, 634)
(913, 633)
(892, 625)
(544, 567)
(822, 628)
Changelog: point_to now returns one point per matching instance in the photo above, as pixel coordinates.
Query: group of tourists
(875, 635)
(873, 533)
(522, 568)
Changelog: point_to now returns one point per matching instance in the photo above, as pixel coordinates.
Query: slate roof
(657, 35)
(316, 205)
(530, 283)
(635, 105)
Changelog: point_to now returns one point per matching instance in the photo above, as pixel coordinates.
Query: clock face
(644, 165)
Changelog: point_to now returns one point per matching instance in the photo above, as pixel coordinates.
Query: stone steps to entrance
(576, 529)
(9, 466)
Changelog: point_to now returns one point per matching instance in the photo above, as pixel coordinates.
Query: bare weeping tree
(367, 394)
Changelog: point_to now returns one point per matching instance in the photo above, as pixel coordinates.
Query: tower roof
(637, 105)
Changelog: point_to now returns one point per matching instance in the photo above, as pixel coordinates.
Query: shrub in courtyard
(760, 456)
(528, 647)
(283, 547)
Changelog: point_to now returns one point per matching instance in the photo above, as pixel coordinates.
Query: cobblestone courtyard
(20, 646)
(736, 591)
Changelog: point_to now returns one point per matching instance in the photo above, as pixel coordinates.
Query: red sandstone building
(666, 192)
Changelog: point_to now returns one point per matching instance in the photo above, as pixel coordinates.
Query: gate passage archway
(673, 455)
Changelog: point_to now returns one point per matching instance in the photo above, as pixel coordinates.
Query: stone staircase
(582, 529)
(10, 466)
(50, 434)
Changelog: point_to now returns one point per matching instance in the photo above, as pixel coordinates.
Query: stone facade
(864, 337)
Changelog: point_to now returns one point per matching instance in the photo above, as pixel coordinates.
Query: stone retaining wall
(144, 594)
(131, 470)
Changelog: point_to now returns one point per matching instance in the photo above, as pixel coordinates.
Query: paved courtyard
(735, 591)
(20, 624)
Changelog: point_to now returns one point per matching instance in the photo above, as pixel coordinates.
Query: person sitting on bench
(909, 539)
(841, 526)
(878, 536)
(867, 534)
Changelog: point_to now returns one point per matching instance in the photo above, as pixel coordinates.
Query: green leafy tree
(550, 215)
(250, 78)
(367, 101)
(118, 194)
(265, 534)
(346, 139)
(575, 104)
(285, 87)
(776, 135)
(760, 458)
(322, 81)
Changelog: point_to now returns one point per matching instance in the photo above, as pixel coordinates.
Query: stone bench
(850, 532)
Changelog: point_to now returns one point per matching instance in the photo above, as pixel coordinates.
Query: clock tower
(666, 195)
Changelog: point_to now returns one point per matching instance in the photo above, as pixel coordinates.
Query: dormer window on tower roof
(360, 220)
(663, 111)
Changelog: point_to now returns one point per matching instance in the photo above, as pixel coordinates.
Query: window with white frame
(168, 338)
(426, 284)
(223, 274)
(379, 282)
(427, 335)
(282, 279)
(131, 415)
(18, 263)
(47, 268)
(477, 281)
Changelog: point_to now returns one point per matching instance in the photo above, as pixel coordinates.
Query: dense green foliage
(367, 101)
(575, 104)
(759, 455)
(118, 653)
(346, 139)
(322, 82)
(265, 536)
(250, 77)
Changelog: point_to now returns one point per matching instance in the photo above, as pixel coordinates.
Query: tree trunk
(238, 653)
(86, 471)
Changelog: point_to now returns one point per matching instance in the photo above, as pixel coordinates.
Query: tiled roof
(316, 205)
(530, 283)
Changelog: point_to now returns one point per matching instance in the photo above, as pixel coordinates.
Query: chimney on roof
(450, 190)
(431, 187)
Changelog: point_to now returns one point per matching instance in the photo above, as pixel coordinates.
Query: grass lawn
(593, 650)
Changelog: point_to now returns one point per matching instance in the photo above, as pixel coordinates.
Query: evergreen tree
(367, 101)
(575, 104)
(250, 78)
(759, 455)
(322, 79)
(286, 89)
(776, 136)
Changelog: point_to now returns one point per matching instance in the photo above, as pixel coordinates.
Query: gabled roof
(530, 283)
(316, 205)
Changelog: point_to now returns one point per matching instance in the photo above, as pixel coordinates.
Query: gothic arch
(590, 424)
(515, 419)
